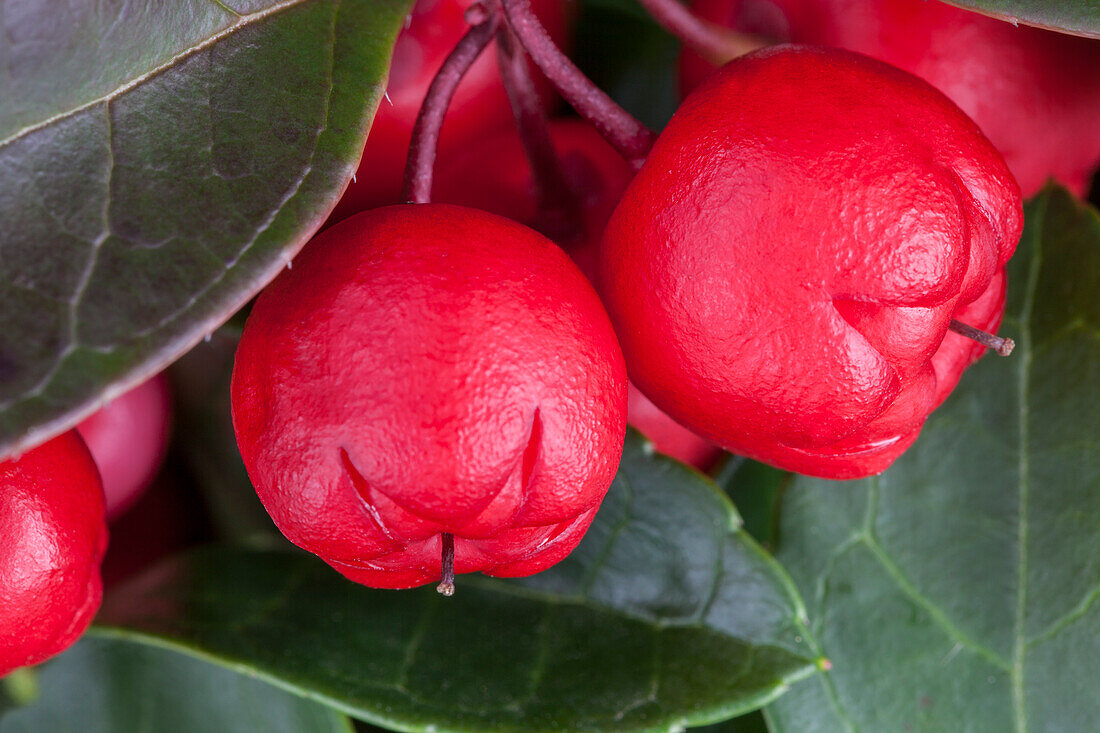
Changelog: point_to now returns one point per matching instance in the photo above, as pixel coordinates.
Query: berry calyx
(54, 536)
(783, 270)
(128, 438)
(423, 371)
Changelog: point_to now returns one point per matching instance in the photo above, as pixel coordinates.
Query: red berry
(667, 435)
(54, 535)
(494, 175)
(430, 369)
(783, 269)
(480, 104)
(128, 438)
(1034, 93)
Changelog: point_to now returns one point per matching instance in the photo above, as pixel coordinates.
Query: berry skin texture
(426, 369)
(52, 538)
(783, 269)
(505, 185)
(1034, 93)
(480, 104)
(128, 438)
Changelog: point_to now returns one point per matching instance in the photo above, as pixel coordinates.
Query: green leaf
(757, 491)
(666, 615)
(1079, 17)
(105, 685)
(751, 723)
(638, 70)
(159, 163)
(958, 591)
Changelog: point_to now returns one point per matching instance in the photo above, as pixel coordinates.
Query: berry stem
(1003, 346)
(710, 40)
(558, 205)
(429, 121)
(627, 135)
(446, 585)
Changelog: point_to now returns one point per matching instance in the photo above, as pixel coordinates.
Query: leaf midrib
(243, 21)
(1024, 471)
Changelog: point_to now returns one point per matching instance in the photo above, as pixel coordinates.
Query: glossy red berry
(1034, 93)
(494, 175)
(430, 369)
(783, 269)
(128, 438)
(480, 104)
(52, 538)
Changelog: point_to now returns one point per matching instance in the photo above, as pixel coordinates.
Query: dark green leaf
(958, 590)
(667, 614)
(1079, 17)
(116, 686)
(159, 163)
(757, 492)
(630, 57)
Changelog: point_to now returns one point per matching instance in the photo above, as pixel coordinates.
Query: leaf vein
(938, 617)
(243, 22)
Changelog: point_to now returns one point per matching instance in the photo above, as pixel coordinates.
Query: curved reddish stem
(710, 40)
(627, 135)
(429, 121)
(558, 205)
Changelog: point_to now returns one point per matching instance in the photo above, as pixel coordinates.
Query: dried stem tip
(447, 580)
(1002, 346)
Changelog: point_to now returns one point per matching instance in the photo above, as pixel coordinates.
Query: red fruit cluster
(1034, 93)
(783, 270)
(430, 370)
(781, 274)
(54, 536)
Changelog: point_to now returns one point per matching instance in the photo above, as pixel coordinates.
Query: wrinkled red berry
(1034, 93)
(783, 269)
(430, 369)
(52, 538)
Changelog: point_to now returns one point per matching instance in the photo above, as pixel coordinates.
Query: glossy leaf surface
(667, 614)
(958, 591)
(104, 685)
(159, 163)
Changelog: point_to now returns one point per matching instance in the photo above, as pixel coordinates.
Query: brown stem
(558, 205)
(447, 574)
(627, 135)
(1003, 346)
(710, 40)
(425, 134)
